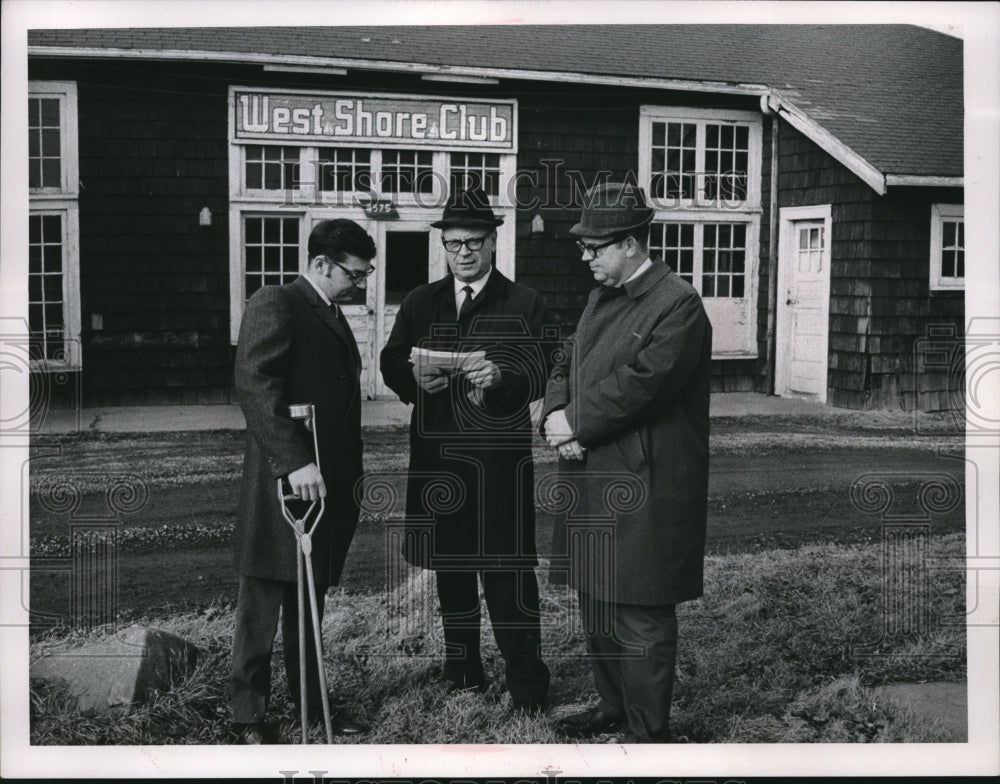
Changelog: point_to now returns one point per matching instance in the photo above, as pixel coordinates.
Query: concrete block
(114, 675)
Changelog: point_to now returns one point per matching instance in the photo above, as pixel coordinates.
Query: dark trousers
(257, 609)
(632, 651)
(512, 602)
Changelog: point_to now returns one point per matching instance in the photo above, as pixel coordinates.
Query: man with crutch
(297, 376)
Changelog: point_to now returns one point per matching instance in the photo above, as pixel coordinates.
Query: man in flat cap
(628, 409)
(470, 491)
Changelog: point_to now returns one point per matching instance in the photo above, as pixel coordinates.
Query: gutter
(291, 62)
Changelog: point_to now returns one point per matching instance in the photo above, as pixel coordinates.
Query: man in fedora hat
(470, 491)
(628, 409)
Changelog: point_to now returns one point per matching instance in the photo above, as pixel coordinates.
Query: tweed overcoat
(294, 348)
(635, 388)
(470, 485)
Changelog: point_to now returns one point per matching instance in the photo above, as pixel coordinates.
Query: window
(271, 168)
(701, 171)
(407, 171)
(713, 254)
(271, 251)
(53, 227)
(44, 143)
(46, 251)
(947, 254)
(345, 170)
(470, 169)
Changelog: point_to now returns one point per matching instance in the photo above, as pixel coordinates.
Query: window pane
(272, 230)
(253, 259)
(659, 134)
(272, 258)
(255, 175)
(948, 232)
(960, 263)
(947, 264)
(53, 288)
(52, 257)
(51, 228)
(50, 112)
(50, 142)
(51, 173)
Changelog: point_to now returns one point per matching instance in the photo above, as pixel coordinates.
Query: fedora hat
(468, 208)
(612, 208)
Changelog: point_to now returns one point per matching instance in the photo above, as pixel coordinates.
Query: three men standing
(472, 430)
(630, 405)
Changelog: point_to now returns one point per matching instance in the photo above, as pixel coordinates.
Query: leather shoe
(456, 678)
(589, 723)
(254, 734)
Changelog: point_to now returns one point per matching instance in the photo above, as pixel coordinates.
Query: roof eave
(924, 181)
(308, 62)
(829, 143)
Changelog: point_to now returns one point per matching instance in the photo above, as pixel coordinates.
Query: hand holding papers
(433, 369)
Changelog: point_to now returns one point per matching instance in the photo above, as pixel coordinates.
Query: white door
(803, 303)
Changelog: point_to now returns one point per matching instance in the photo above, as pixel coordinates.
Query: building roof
(885, 99)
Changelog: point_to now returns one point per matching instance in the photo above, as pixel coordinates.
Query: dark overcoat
(294, 348)
(470, 486)
(635, 387)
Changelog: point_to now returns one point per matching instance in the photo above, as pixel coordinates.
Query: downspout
(772, 260)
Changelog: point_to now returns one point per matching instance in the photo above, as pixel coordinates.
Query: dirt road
(176, 552)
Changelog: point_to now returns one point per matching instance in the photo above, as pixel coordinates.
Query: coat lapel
(326, 314)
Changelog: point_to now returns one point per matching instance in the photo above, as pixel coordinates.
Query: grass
(769, 655)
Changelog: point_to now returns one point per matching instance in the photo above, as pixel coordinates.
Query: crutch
(307, 413)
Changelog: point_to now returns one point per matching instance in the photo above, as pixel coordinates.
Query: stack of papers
(450, 361)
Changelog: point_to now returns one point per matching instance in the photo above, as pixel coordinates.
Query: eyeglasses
(593, 249)
(472, 243)
(356, 276)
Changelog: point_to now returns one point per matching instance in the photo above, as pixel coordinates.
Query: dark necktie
(465, 302)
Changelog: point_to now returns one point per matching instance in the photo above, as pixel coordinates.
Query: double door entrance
(408, 254)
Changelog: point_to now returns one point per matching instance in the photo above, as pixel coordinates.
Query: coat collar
(495, 286)
(636, 287)
(325, 313)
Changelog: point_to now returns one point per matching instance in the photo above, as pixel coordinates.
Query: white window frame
(308, 203)
(64, 201)
(939, 214)
(734, 319)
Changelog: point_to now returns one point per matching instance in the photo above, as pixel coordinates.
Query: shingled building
(807, 181)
